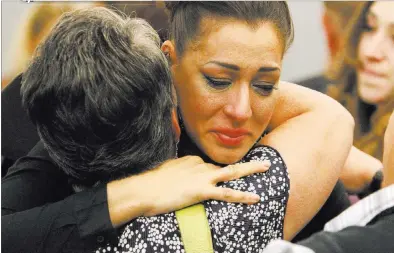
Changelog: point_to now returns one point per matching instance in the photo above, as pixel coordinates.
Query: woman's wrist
(124, 201)
(374, 184)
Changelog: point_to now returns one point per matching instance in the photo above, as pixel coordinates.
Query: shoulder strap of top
(195, 231)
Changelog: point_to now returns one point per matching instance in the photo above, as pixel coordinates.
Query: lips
(371, 72)
(230, 136)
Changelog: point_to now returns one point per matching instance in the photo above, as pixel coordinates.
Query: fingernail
(267, 163)
(255, 197)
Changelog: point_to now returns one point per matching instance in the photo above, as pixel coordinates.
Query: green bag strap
(195, 231)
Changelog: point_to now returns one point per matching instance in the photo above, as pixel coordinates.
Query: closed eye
(219, 84)
(264, 88)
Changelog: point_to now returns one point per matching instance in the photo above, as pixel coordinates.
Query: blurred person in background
(367, 75)
(335, 18)
(362, 171)
(366, 89)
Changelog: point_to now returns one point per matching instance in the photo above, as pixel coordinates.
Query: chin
(373, 96)
(227, 156)
(373, 99)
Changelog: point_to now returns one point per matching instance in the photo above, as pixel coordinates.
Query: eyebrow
(236, 68)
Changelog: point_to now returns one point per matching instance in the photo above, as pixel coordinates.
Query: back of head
(100, 93)
(185, 17)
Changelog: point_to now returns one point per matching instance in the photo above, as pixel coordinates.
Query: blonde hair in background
(33, 29)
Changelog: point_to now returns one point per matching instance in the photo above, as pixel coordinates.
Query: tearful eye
(219, 84)
(264, 88)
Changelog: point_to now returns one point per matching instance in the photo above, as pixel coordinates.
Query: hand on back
(189, 180)
(176, 184)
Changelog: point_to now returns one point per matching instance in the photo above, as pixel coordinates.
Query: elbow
(345, 118)
(342, 130)
(339, 124)
(340, 116)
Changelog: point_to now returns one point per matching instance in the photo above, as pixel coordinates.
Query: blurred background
(24, 24)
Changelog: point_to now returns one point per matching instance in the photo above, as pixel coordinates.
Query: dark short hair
(99, 91)
(185, 17)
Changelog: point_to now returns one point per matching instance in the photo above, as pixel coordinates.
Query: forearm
(125, 201)
(359, 170)
(314, 141)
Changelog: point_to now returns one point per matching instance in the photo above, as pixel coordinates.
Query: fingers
(236, 171)
(233, 196)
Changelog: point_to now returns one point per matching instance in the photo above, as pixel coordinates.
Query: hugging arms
(296, 117)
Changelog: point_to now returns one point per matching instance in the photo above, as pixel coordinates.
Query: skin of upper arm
(314, 135)
(295, 100)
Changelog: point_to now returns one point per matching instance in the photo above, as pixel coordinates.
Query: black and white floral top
(234, 227)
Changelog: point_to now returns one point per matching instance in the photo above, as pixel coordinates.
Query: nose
(374, 48)
(238, 106)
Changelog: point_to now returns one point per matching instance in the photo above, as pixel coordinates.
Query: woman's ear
(168, 49)
(175, 124)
